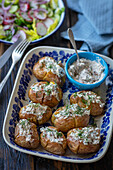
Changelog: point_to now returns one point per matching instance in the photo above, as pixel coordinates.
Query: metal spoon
(71, 37)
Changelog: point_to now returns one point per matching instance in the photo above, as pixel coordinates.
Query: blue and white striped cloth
(94, 26)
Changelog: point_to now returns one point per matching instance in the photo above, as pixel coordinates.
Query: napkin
(94, 26)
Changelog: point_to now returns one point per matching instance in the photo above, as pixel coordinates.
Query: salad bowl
(30, 22)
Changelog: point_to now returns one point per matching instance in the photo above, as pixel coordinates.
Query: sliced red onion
(41, 28)
(42, 2)
(5, 8)
(48, 22)
(19, 33)
(22, 1)
(24, 7)
(21, 28)
(8, 21)
(42, 9)
(1, 11)
(15, 37)
(25, 27)
(40, 15)
(5, 14)
(7, 27)
(8, 15)
(13, 30)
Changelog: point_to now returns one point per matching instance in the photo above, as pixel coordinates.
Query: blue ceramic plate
(61, 5)
(19, 98)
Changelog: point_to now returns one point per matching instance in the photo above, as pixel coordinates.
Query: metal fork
(16, 55)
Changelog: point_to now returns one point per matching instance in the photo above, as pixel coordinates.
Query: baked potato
(45, 93)
(70, 116)
(52, 140)
(26, 134)
(47, 69)
(84, 140)
(90, 100)
(35, 113)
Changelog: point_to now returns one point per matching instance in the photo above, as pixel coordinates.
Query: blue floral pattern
(23, 85)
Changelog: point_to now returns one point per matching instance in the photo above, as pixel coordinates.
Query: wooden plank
(1, 52)
(1, 48)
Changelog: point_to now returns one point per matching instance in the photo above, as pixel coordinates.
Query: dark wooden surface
(11, 159)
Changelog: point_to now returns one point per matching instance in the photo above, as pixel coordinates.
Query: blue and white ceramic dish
(92, 57)
(61, 5)
(19, 98)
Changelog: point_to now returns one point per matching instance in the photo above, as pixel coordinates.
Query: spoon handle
(71, 36)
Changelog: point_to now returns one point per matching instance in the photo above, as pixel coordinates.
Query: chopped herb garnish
(22, 123)
(78, 108)
(67, 107)
(41, 66)
(80, 134)
(84, 101)
(37, 95)
(89, 97)
(59, 134)
(50, 66)
(49, 130)
(47, 83)
(48, 92)
(75, 94)
(36, 105)
(28, 119)
(66, 113)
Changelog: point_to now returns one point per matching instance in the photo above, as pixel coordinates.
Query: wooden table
(11, 159)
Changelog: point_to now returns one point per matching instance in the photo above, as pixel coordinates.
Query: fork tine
(20, 44)
(24, 46)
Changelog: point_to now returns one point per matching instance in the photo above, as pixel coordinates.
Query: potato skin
(33, 117)
(65, 124)
(21, 139)
(53, 147)
(78, 147)
(94, 108)
(39, 71)
(42, 98)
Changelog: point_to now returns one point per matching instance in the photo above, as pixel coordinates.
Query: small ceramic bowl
(90, 56)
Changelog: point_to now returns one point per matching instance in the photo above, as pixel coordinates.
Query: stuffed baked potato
(52, 140)
(36, 113)
(45, 93)
(26, 134)
(84, 140)
(70, 116)
(47, 69)
(90, 100)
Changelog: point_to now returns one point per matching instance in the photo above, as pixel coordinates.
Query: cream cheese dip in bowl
(87, 73)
